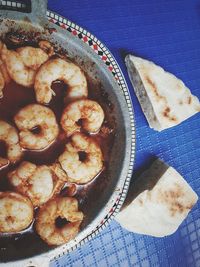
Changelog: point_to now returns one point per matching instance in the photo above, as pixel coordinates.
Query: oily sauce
(27, 243)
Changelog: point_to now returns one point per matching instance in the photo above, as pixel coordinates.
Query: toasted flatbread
(158, 202)
(164, 99)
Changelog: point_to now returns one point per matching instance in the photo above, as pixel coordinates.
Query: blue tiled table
(167, 32)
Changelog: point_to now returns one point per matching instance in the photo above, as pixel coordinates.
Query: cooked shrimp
(32, 57)
(3, 162)
(90, 112)
(47, 47)
(9, 135)
(16, 212)
(79, 170)
(23, 63)
(58, 221)
(39, 183)
(61, 176)
(4, 77)
(4, 72)
(38, 117)
(3, 68)
(1, 45)
(59, 69)
(2, 84)
(16, 68)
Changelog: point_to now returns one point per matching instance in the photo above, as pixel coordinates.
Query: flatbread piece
(158, 202)
(164, 99)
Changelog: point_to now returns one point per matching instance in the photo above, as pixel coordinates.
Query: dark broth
(12, 246)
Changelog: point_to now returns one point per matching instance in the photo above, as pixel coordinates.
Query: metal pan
(104, 75)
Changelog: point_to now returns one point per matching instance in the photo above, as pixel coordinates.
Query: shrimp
(9, 135)
(16, 212)
(4, 72)
(16, 68)
(60, 174)
(39, 183)
(83, 170)
(47, 47)
(58, 221)
(1, 45)
(90, 112)
(38, 118)
(3, 162)
(32, 57)
(2, 84)
(4, 76)
(23, 63)
(59, 69)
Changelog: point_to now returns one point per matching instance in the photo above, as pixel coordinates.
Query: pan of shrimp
(66, 137)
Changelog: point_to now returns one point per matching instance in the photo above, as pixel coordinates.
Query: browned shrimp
(2, 84)
(63, 210)
(23, 63)
(9, 135)
(33, 116)
(81, 171)
(59, 69)
(16, 212)
(4, 72)
(90, 112)
(47, 47)
(39, 183)
(32, 57)
(4, 76)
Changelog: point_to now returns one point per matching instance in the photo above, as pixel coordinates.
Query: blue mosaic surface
(168, 33)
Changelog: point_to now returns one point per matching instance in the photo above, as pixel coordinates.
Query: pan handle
(34, 10)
